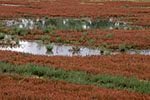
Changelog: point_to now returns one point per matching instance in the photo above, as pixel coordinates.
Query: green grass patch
(77, 77)
(2, 36)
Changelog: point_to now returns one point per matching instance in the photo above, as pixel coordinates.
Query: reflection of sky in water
(142, 52)
(38, 48)
(65, 24)
(9, 5)
(61, 50)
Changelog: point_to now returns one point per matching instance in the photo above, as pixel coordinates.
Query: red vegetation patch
(18, 88)
(130, 11)
(123, 64)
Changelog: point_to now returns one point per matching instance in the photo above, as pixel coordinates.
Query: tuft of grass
(104, 44)
(17, 41)
(49, 47)
(51, 27)
(109, 36)
(81, 38)
(59, 39)
(121, 6)
(127, 6)
(53, 32)
(85, 33)
(12, 32)
(102, 49)
(25, 15)
(2, 35)
(46, 17)
(45, 37)
(46, 30)
(22, 31)
(123, 47)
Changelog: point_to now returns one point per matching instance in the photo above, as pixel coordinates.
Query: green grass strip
(77, 77)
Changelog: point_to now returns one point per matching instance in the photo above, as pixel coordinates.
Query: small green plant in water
(123, 47)
(107, 53)
(49, 47)
(25, 15)
(102, 49)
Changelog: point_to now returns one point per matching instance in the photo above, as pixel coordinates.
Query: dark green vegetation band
(106, 81)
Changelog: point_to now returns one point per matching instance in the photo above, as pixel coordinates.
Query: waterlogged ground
(65, 24)
(39, 48)
(75, 50)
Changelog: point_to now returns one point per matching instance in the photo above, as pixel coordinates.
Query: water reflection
(65, 24)
(10, 5)
(39, 48)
